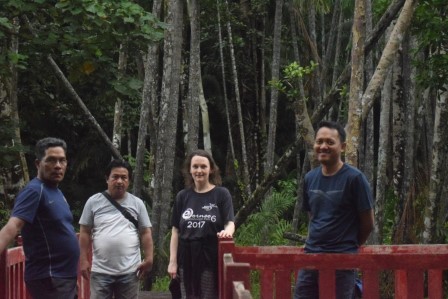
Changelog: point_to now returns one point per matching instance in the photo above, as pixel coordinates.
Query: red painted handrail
(12, 269)
(278, 267)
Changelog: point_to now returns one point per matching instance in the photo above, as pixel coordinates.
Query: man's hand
(143, 268)
(85, 268)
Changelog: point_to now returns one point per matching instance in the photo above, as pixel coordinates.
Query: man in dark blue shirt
(43, 217)
(339, 202)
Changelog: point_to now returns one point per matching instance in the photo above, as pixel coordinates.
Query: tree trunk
(224, 85)
(167, 125)
(14, 176)
(192, 111)
(118, 111)
(246, 177)
(356, 84)
(148, 111)
(388, 55)
(382, 181)
(275, 70)
(438, 172)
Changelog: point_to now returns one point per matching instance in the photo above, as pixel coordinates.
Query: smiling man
(339, 203)
(117, 265)
(43, 216)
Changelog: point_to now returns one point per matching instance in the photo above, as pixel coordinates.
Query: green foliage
(161, 284)
(431, 26)
(292, 73)
(147, 176)
(389, 216)
(266, 227)
(8, 151)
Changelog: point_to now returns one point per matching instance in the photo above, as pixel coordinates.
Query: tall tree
(167, 128)
(275, 71)
(148, 109)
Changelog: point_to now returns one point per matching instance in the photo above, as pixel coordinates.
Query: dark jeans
(307, 286)
(52, 288)
(104, 286)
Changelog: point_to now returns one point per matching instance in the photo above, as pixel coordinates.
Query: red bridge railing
(418, 270)
(12, 269)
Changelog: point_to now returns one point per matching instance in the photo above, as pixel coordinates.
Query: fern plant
(266, 227)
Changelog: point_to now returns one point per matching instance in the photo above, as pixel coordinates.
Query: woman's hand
(172, 269)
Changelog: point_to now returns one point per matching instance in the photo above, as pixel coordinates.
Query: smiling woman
(202, 213)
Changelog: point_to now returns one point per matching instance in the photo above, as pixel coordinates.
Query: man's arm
(148, 248)
(85, 245)
(10, 231)
(365, 226)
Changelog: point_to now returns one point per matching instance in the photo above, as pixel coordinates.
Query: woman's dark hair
(43, 144)
(215, 176)
(117, 163)
(335, 126)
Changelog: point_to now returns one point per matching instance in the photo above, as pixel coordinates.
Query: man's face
(328, 146)
(118, 182)
(51, 168)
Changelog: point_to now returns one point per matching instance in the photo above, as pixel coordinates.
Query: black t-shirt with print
(202, 215)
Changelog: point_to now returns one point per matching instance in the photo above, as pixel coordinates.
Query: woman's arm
(228, 230)
(174, 243)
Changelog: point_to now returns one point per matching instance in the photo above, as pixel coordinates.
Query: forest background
(248, 80)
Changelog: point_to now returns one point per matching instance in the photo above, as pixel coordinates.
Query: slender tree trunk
(224, 85)
(192, 115)
(388, 55)
(275, 70)
(205, 118)
(383, 154)
(167, 125)
(246, 177)
(408, 182)
(438, 172)
(356, 84)
(398, 131)
(148, 111)
(14, 178)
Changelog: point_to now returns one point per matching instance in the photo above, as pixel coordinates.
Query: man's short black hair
(43, 144)
(333, 125)
(116, 163)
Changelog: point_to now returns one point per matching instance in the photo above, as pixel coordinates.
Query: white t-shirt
(116, 243)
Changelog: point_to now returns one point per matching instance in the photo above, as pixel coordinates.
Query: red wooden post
(435, 290)
(224, 246)
(266, 283)
(370, 284)
(234, 272)
(3, 276)
(283, 284)
(327, 284)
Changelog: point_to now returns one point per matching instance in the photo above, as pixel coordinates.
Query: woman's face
(200, 169)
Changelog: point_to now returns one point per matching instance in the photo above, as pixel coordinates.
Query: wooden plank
(327, 284)
(266, 284)
(370, 284)
(435, 286)
(282, 284)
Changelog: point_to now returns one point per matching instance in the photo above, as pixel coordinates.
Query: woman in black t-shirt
(202, 213)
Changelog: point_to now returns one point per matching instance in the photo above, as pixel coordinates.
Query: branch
(76, 97)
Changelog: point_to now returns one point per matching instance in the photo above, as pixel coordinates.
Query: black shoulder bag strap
(123, 211)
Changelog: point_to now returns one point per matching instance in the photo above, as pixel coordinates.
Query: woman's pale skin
(200, 171)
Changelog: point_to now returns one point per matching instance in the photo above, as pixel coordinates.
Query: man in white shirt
(116, 265)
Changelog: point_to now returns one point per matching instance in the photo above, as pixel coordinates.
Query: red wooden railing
(412, 266)
(278, 267)
(12, 268)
